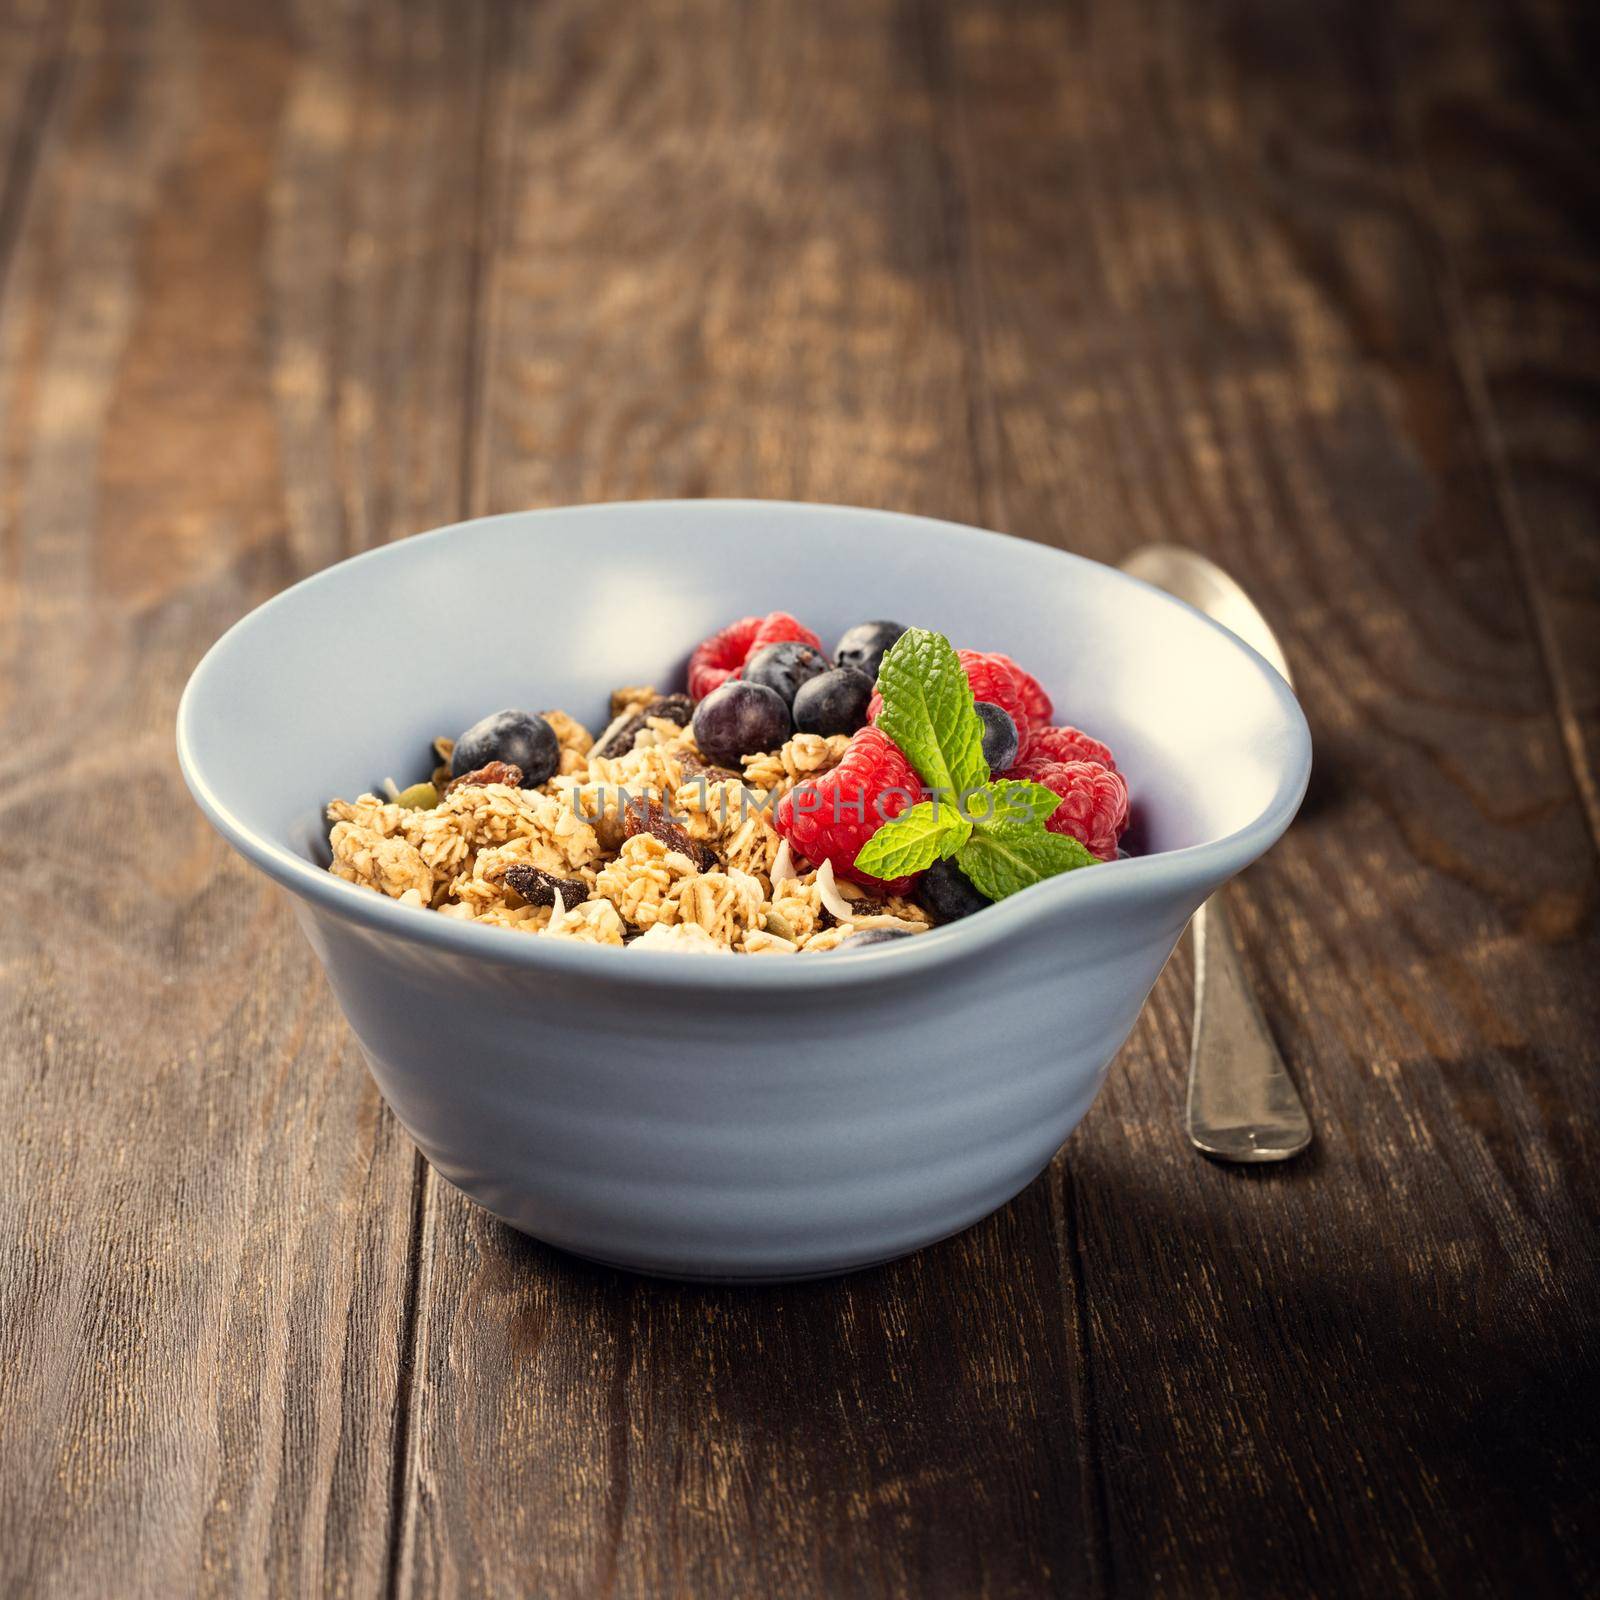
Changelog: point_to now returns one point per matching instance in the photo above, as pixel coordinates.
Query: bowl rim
(1165, 875)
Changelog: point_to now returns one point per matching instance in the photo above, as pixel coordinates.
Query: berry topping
(739, 719)
(725, 653)
(1065, 744)
(1094, 800)
(834, 702)
(1035, 701)
(949, 893)
(999, 735)
(1019, 692)
(863, 646)
(994, 678)
(996, 833)
(785, 667)
(954, 784)
(831, 817)
(775, 628)
(516, 737)
(718, 658)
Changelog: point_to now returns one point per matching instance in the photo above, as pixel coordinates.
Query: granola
(807, 755)
(687, 823)
(697, 876)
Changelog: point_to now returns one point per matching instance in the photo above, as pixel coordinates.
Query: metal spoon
(1243, 1105)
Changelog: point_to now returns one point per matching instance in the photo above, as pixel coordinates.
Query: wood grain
(721, 261)
(1350, 1372)
(234, 275)
(1312, 289)
(1496, 120)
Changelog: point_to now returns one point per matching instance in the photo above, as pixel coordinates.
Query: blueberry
(853, 941)
(999, 736)
(949, 893)
(863, 646)
(738, 719)
(517, 737)
(836, 702)
(784, 667)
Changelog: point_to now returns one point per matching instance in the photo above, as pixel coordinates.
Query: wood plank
(1211, 311)
(1497, 124)
(722, 262)
(232, 348)
(1095, 274)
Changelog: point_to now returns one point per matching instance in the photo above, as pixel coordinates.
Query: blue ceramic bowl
(739, 1117)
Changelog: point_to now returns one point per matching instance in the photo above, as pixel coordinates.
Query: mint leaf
(927, 711)
(995, 829)
(1003, 857)
(914, 840)
(1011, 800)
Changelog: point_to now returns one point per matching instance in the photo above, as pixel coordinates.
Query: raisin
(865, 906)
(860, 906)
(674, 708)
(540, 888)
(643, 817)
(506, 772)
(698, 767)
(678, 708)
(620, 740)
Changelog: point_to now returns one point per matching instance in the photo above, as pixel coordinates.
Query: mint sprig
(914, 840)
(1003, 857)
(928, 712)
(995, 830)
(1011, 800)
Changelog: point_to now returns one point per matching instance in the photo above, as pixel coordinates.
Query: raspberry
(721, 656)
(995, 679)
(1035, 701)
(777, 627)
(1000, 681)
(718, 658)
(831, 817)
(1094, 800)
(1029, 705)
(1065, 744)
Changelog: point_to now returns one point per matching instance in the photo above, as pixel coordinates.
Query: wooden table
(1307, 287)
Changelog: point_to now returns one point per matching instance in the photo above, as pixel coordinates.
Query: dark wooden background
(1312, 286)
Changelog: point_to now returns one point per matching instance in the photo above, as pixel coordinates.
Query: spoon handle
(1243, 1105)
